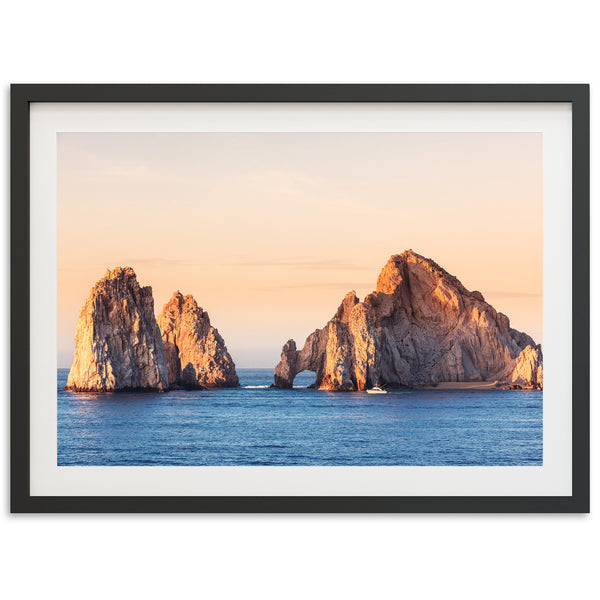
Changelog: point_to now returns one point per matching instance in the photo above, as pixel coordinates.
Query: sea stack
(420, 327)
(195, 353)
(118, 345)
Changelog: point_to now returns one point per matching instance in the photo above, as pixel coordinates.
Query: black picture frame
(22, 95)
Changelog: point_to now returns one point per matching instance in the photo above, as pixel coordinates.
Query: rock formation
(526, 368)
(117, 342)
(420, 327)
(195, 353)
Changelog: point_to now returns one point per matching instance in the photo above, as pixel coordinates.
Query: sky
(268, 231)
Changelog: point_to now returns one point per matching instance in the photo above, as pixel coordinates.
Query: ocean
(258, 425)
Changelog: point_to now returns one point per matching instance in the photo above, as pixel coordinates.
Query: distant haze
(268, 231)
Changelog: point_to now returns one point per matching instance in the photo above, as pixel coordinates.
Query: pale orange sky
(268, 231)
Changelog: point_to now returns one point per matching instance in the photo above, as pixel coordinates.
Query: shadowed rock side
(117, 341)
(195, 353)
(420, 327)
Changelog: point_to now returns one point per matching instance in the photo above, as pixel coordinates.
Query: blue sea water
(258, 425)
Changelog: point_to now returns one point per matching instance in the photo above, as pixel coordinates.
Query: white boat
(376, 390)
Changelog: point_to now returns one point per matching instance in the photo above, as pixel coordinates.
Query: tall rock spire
(117, 342)
(195, 353)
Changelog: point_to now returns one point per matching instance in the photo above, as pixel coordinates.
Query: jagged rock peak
(421, 326)
(117, 341)
(345, 308)
(195, 353)
(394, 273)
(119, 273)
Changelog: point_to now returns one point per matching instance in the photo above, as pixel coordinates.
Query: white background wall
(173, 556)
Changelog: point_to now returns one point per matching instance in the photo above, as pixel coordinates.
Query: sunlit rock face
(420, 327)
(117, 341)
(526, 369)
(195, 353)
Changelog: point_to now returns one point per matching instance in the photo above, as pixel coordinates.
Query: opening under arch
(304, 379)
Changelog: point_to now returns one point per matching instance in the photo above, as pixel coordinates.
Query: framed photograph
(300, 298)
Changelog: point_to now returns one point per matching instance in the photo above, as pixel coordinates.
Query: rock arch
(420, 327)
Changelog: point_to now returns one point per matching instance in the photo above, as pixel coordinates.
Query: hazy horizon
(268, 231)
